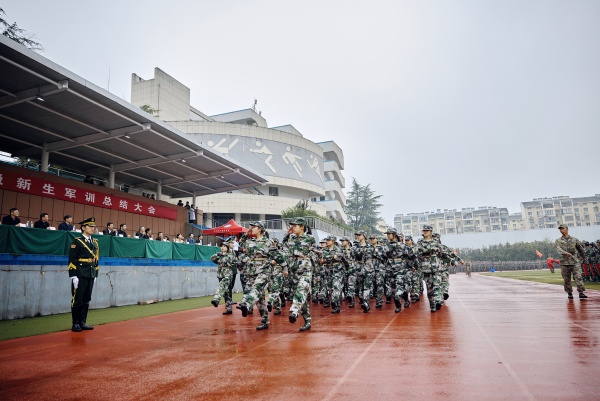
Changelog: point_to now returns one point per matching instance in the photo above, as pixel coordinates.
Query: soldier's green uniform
(300, 248)
(318, 279)
(226, 264)
(84, 255)
(397, 256)
(412, 263)
(334, 261)
(363, 257)
(569, 248)
(379, 269)
(429, 252)
(349, 274)
(257, 261)
(277, 279)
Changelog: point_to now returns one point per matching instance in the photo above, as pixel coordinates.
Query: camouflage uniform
(300, 250)
(276, 282)
(349, 266)
(363, 255)
(570, 265)
(429, 252)
(258, 267)
(379, 269)
(333, 260)
(397, 256)
(412, 263)
(317, 279)
(226, 263)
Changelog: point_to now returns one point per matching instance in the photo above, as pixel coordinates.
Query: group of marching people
(296, 269)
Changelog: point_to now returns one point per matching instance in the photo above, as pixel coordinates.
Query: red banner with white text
(22, 182)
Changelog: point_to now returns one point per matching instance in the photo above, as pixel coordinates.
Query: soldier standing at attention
(226, 261)
(300, 246)
(568, 248)
(83, 270)
(429, 251)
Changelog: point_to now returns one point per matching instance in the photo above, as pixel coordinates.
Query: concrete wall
(32, 290)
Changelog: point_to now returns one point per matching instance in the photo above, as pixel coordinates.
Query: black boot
(388, 300)
(264, 324)
(215, 303)
(282, 297)
(305, 327)
(336, 308)
(293, 317)
(351, 304)
(446, 296)
(76, 327)
(277, 312)
(365, 306)
(84, 326)
(438, 306)
(227, 312)
(398, 305)
(269, 307)
(244, 309)
(378, 305)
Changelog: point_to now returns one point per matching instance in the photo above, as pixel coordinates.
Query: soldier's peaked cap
(361, 232)
(427, 227)
(563, 226)
(298, 221)
(391, 231)
(257, 224)
(88, 222)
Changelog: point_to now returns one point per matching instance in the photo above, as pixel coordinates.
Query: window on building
(221, 218)
(529, 213)
(273, 191)
(248, 217)
(273, 221)
(322, 198)
(569, 218)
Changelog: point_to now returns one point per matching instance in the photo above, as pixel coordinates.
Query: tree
(302, 209)
(19, 35)
(362, 207)
(148, 109)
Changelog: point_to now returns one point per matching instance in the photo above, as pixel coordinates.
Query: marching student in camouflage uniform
(226, 262)
(257, 260)
(333, 259)
(280, 271)
(416, 274)
(429, 252)
(300, 246)
(318, 278)
(569, 248)
(326, 274)
(390, 268)
(379, 269)
(363, 256)
(448, 258)
(349, 265)
(397, 255)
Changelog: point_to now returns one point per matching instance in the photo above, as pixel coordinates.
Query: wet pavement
(495, 339)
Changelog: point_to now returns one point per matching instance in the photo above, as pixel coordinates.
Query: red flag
(538, 253)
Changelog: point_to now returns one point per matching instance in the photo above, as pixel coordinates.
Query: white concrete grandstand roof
(86, 128)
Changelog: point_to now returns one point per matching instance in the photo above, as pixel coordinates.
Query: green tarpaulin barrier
(22, 241)
(159, 250)
(128, 247)
(34, 241)
(205, 252)
(4, 230)
(184, 251)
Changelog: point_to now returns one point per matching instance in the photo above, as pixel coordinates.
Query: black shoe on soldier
(446, 296)
(215, 303)
(388, 300)
(76, 328)
(582, 295)
(84, 326)
(351, 305)
(269, 307)
(238, 307)
(438, 306)
(263, 326)
(349, 298)
(365, 307)
(277, 312)
(406, 304)
(244, 309)
(305, 327)
(570, 295)
(227, 312)
(293, 317)
(378, 306)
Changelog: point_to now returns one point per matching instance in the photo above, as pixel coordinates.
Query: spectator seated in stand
(42, 222)
(110, 229)
(67, 224)
(180, 203)
(199, 239)
(160, 236)
(140, 233)
(190, 239)
(148, 233)
(122, 230)
(89, 180)
(13, 218)
(179, 239)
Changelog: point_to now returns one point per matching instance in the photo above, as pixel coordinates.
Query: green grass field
(48, 324)
(539, 276)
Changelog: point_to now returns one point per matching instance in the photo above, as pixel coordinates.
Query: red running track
(494, 339)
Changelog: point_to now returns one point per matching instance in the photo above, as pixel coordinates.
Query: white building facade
(297, 169)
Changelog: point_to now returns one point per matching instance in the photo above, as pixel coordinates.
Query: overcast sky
(436, 104)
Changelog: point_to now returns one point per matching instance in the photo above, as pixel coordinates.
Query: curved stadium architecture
(295, 167)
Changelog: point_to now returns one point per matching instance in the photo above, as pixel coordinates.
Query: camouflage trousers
(433, 282)
(365, 281)
(380, 284)
(325, 284)
(302, 277)
(575, 271)
(257, 291)
(417, 282)
(445, 276)
(276, 287)
(351, 283)
(337, 285)
(390, 282)
(225, 277)
(403, 282)
(316, 283)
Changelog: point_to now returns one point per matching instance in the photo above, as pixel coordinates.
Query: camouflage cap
(257, 224)
(436, 235)
(344, 238)
(563, 225)
(373, 236)
(361, 232)
(408, 238)
(298, 221)
(392, 231)
(322, 241)
(331, 238)
(427, 227)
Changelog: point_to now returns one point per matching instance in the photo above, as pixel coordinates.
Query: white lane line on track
(357, 361)
(505, 363)
(544, 311)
